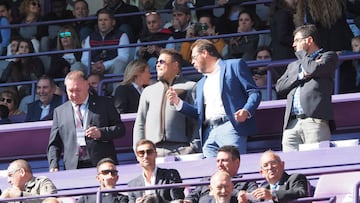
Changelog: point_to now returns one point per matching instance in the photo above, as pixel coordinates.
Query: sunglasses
(150, 13)
(161, 61)
(106, 172)
(6, 100)
(64, 34)
(141, 153)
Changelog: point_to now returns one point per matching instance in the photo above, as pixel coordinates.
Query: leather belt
(298, 116)
(216, 122)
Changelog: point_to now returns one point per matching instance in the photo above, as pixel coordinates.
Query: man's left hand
(241, 115)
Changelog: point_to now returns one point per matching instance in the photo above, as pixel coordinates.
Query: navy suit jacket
(34, 109)
(102, 114)
(163, 176)
(238, 91)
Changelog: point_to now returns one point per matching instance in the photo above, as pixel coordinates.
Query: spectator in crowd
(83, 127)
(23, 68)
(260, 75)
(132, 24)
(282, 27)
(42, 109)
(279, 186)
(355, 44)
(308, 84)
(84, 28)
(244, 46)
(173, 3)
(146, 154)
(204, 27)
(228, 161)
(4, 114)
(106, 60)
(221, 187)
(107, 176)
(329, 17)
(24, 184)
(5, 33)
(172, 132)
(127, 95)
(154, 32)
(226, 100)
(151, 198)
(10, 98)
(148, 5)
(61, 64)
(180, 23)
(94, 80)
(30, 12)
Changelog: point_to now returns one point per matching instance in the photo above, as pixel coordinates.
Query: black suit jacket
(126, 99)
(290, 187)
(102, 114)
(34, 109)
(163, 176)
(106, 198)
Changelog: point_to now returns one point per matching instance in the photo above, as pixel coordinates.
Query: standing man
(43, 108)
(152, 175)
(107, 176)
(308, 84)
(84, 127)
(226, 99)
(227, 160)
(106, 60)
(279, 186)
(157, 120)
(24, 184)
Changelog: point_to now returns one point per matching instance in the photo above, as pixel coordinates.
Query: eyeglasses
(64, 34)
(35, 4)
(106, 172)
(161, 61)
(141, 153)
(150, 13)
(194, 57)
(7, 100)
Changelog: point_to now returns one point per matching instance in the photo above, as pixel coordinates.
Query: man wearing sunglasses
(152, 175)
(107, 176)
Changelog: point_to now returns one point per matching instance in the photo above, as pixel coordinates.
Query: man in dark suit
(84, 127)
(279, 186)
(43, 108)
(153, 175)
(308, 84)
(226, 99)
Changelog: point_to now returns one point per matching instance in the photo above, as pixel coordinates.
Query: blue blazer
(238, 91)
(34, 109)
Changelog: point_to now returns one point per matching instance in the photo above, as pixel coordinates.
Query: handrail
(356, 193)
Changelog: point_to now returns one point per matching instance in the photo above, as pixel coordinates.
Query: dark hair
(105, 11)
(4, 110)
(204, 44)
(85, 2)
(145, 141)
(230, 149)
(105, 160)
(30, 45)
(152, 198)
(175, 56)
(5, 3)
(181, 8)
(210, 16)
(252, 16)
(46, 77)
(309, 30)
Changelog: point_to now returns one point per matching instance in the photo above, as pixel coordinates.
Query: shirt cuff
(179, 106)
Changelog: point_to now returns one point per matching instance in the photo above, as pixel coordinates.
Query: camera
(200, 29)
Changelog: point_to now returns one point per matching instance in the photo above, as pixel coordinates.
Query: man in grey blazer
(152, 175)
(308, 84)
(157, 120)
(84, 127)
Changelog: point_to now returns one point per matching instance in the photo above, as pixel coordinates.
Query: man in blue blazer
(226, 99)
(43, 108)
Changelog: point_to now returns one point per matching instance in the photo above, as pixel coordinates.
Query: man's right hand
(53, 170)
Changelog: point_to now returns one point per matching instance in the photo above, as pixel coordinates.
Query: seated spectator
(151, 198)
(106, 60)
(152, 175)
(355, 44)
(244, 46)
(83, 28)
(5, 34)
(260, 73)
(61, 64)
(127, 95)
(221, 188)
(42, 109)
(227, 160)
(132, 24)
(154, 32)
(94, 80)
(4, 115)
(279, 186)
(107, 176)
(24, 184)
(11, 99)
(204, 27)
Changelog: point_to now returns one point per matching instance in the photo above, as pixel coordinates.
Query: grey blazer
(316, 90)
